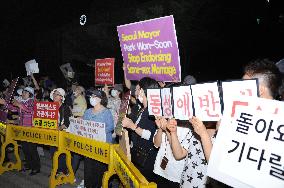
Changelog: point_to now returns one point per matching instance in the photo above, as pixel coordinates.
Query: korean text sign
(206, 101)
(46, 115)
(150, 48)
(104, 71)
(251, 137)
(89, 129)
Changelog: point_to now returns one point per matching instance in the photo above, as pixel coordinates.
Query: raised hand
(172, 125)
(198, 126)
(161, 122)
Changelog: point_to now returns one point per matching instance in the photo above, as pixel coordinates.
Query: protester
(79, 102)
(268, 75)
(194, 171)
(167, 166)
(143, 152)
(25, 111)
(78, 110)
(94, 170)
(58, 95)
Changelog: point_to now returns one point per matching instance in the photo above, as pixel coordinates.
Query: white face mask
(140, 96)
(114, 93)
(94, 101)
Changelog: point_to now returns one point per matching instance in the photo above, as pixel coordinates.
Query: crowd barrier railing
(66, 143)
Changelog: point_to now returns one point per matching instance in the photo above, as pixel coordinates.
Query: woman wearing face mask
(142, 130)
(94, 170)
(114, 101)
(25, 110)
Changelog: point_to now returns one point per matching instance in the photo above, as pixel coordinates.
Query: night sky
(215, 38)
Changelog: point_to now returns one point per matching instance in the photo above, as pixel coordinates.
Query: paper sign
(89, 129)
(150, 48)
(122, 111)
(206, 101)
(46, 115)
(65, 68)
(250, 139)
(31, 67)
(167, 107)
(104, 71)
(154, 102)
(182, 102)
(238, 88)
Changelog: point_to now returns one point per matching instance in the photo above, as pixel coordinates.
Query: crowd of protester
(166, 151)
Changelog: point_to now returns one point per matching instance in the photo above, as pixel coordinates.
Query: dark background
(215, 37)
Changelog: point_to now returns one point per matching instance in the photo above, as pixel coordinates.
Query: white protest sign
(167, 102)
(31, 67)
(238, 88)
(206, 101)
(154, 102)
(88, 129)
(6, 83)
(67, 70)
(250, 137)
(182, 102)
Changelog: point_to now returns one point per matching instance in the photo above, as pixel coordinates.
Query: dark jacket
(65, 113)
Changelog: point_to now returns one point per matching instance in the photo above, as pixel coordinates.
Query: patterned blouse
(194, 173)
(26, 113)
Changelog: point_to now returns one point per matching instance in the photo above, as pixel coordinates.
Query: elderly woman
(142, 130)
(79, 103)
(24, 106)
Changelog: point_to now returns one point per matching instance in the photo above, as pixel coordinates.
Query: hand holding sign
(172, 126)
(198, 126)
(128, 123)
(161, 122)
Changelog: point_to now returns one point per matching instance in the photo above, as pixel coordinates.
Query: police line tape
(66, 142)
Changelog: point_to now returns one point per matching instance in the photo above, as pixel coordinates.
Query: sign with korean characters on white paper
(238, 88)
(250, 137)
(206, 99)
(154, 102)
(182, 102)
(166, 97)
(89, 129)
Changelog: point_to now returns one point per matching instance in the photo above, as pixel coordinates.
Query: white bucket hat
(30, 90)
(61, 91)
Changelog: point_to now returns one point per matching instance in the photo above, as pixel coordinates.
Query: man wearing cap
(25, 111)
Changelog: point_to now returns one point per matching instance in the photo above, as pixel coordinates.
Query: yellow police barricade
(28, 134)
(128, 174)
(2, 132)
(2, 140)
(93, 149)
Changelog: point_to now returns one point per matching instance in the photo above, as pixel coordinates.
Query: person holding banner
(94, 170)
(143, 152)
(196, 154)
(25, 111)
(167, 166)
(58, 95)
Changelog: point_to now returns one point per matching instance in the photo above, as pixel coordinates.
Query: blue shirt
(103, 116)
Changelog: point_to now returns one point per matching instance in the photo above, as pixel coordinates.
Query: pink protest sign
(150, 48)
